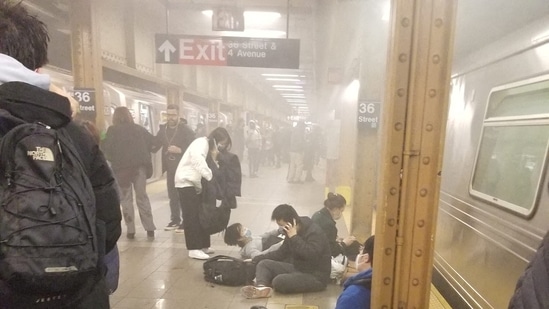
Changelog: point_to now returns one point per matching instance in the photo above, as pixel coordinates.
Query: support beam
(413, 128)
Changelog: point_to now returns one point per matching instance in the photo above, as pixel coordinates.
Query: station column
(86, 60)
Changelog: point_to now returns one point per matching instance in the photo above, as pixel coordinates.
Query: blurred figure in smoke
(253, 143)
(297, 147)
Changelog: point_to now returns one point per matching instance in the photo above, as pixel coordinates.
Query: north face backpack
(48, 241)
(227, 270)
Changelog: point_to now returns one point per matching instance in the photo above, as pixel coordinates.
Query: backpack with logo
(48, 237)
(227, 270)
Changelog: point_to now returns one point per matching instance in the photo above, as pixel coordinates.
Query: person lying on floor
(251, 246)
(305, 245)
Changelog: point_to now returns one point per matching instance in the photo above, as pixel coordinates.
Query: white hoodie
(193, 166)
(12, 70)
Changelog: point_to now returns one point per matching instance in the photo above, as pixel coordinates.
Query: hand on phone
(290, 229)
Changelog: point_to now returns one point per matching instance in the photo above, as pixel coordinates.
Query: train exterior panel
(494, 197)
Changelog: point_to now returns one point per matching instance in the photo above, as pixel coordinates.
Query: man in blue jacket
(357, 289)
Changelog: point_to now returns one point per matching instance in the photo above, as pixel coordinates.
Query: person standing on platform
(173, 137)
(24, 94)
(238, 138)
(253, 143)
(357, 289)
(188, 176)
(128, 146)
(297, 147)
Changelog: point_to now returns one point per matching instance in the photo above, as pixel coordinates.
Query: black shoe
(172, 226)
(150, 234)
(130, 235)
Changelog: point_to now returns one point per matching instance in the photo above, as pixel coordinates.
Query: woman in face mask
(357, 289)
(237, 234)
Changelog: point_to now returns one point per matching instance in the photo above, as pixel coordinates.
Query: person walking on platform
(301, 264)
(24, 93)
(188, 175)
(358, 288)
(173, 137)
(128, 146)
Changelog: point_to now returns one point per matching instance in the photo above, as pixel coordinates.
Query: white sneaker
(198, 254)
(208, 250)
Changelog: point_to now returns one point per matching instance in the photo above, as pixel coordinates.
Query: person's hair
(173, 106)
(285, 212)
(369, 248)
(92, 129)
(219, 134)
(334, 200)
(251, 125)
(23, 36)
(232, 234)
(121, 115)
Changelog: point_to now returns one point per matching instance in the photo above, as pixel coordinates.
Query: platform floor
(158, 273)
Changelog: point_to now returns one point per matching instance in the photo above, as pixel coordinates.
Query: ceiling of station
(306, 20)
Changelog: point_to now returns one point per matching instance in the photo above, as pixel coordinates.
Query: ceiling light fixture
(284, 89)
(284, 79)
(279, 75)
(288, 86)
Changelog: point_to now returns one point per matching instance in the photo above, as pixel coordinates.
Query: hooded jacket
(34, 104)
(308, 251)
(356, 292)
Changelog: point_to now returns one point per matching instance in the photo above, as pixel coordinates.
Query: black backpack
(48, 237)
(227, 270)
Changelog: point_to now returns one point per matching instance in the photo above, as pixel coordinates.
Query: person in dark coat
(174, 138)
(128, 147)
(334, 205)
(24, 94)
(302, 264)
(532, 287)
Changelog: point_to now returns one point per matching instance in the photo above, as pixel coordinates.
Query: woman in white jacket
(191, 169)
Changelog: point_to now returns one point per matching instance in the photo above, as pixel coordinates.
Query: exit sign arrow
(167, 48)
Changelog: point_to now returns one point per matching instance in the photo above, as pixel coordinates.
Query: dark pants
(284, 278)
(195, 237)
(175, 207)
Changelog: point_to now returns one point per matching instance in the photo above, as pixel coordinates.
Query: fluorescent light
(295, 90)
(208, 13)
(296, 96)
(386, 11)
(280, 75)
(296, 100)
(284, 79)
(288, 86)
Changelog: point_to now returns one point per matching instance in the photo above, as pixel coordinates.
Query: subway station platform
(159, 274)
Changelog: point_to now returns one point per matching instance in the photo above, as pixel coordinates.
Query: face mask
(247, 233)
(357, 261)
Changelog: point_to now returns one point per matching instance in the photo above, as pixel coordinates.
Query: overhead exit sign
(227, 51)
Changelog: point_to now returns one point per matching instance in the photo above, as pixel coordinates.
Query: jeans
(139, 183)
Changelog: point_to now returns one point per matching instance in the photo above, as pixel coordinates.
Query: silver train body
(148, 108)
(494, 200)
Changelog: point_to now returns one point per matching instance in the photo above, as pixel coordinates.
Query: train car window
(513, 147)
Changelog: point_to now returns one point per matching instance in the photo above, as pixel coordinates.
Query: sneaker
(198, 254)
(208, 250)
(172, 226)
(180, 229)
(150, 234)
(251, 291)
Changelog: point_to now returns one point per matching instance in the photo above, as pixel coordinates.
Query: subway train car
(494, 199)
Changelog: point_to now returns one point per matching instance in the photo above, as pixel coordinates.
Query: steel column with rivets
(413, 129)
